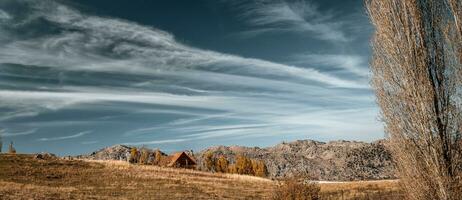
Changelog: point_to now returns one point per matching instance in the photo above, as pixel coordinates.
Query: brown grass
(23, 177)
(384, 189)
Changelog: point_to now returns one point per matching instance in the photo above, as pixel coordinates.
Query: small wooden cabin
(182, 160)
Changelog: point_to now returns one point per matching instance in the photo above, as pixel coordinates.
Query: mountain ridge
(338, 160)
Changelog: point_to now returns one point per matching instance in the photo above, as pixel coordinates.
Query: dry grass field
(23, 177)
(387, 189)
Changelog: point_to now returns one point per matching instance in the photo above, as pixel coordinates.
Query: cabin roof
(178, 155)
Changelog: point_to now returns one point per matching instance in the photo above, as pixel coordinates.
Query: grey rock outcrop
(116, 152)
(334, 161)
(331, 161)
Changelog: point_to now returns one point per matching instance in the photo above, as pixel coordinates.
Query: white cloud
(120, 64)
(77, 135)
(4, 15)
(294, 16)
(81, 50)
(157, 142)
(6, 133)
(353, 64)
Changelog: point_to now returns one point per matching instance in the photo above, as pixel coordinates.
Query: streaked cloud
(140, 85)
(353, 64)
(98, 44)
(4, 15)
(8, 133)
(266, 16)
(157, 142)
(77, 135)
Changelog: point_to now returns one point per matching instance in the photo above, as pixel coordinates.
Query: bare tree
(11, 149)
(1, 142)
(416, 69)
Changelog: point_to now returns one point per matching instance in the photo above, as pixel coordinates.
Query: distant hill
(116, 152)
(24, 176)
(333, 161)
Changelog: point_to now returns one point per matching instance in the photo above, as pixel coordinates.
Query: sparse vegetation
(157, 157)
(1, 143)
(11, 149)
(383, 190)
(23, 177)
(222, 165)
(297, 189)
(209, 162)
(77, 179)
(244, 165)
(259, 168)
(134, 155)
(144, 156)
(417, 76)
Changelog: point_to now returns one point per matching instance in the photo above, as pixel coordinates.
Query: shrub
(232, 169)
(144, 156)
(222, 164)
(297, 189)
(244, 165)
(157, 157)
(209, 161)
(259, 168)
(134, 155)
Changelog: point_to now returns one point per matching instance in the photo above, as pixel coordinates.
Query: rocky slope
(335, 161)
(117, 152)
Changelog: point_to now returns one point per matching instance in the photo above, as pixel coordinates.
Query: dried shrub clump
(297, 189)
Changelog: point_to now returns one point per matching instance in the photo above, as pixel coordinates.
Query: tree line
(11, 149)
(145, 157)
(242, 165)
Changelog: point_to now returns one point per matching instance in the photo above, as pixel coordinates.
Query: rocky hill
(116, 152)
(335, 161)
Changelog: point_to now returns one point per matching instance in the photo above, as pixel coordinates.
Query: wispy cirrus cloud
(169, 141)
(111, 45)
(266, 16)
(4, 15)
(8, 133)
(353, 64)
(147, 85)
(77, 135)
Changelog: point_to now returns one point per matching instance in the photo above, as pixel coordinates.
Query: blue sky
(76, 76)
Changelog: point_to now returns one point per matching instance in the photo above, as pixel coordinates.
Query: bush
(209, 161)
(232, 169)
(297, 189)
(157, 157)
(222, 165)
(259, 168)
(244, 165)
(144, 156)
(134, 155)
